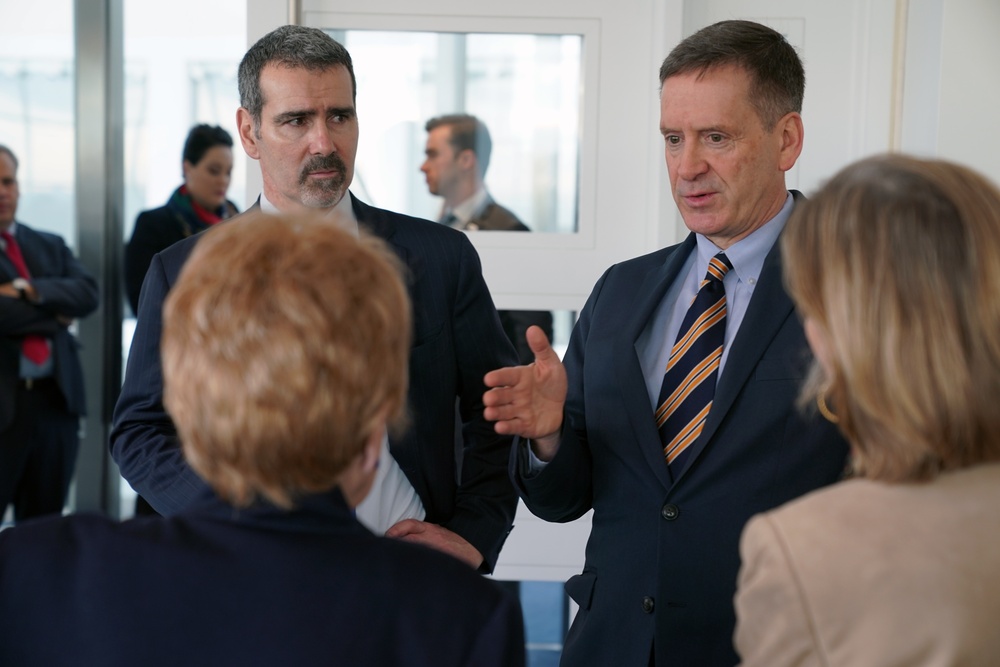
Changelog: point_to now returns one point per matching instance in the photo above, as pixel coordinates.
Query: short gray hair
(777, 78)
(292, 46)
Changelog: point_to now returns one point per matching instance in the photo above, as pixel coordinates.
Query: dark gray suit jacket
(663, 556)
(65, 288)
(457, 339)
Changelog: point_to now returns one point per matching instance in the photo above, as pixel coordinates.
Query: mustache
(331, 162)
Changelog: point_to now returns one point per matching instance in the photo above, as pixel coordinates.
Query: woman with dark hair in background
(193, 207)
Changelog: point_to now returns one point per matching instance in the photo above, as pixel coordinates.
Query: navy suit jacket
(662, 558)
(219, 586)
(65, 288)
(457, 339)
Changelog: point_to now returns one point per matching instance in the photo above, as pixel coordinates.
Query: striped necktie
(693, 369)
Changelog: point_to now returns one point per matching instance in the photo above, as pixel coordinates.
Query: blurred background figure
(196, 205)
(895, 266)
(199, 203)
(285, 355)
(457, 156)
(43, 289)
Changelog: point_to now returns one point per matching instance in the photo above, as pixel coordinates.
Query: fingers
(502, 410)
(503, 377)
(405, 527)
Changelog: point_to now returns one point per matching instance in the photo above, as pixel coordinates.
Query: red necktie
(35, 348)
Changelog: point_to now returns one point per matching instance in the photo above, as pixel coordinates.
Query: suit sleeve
(139, 252)
(485, 501)
(66, 288)
(775, 625)
(144, 441)
(563, 490)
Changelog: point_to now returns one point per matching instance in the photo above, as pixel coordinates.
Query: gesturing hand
(528, 400)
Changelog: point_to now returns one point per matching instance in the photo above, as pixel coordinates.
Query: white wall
(969, 101)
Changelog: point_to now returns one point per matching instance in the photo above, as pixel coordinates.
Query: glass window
(180, 70)
(36, 111)
(180, 65)
(526, 88)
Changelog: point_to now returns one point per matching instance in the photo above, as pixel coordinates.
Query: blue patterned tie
(693, 369)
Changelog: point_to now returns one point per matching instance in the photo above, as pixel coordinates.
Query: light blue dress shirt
(747, 256)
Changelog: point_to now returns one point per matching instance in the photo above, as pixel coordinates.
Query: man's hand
(436, 537)
(528, 400)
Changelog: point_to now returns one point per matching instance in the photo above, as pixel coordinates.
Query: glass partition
(526, 88)
(37, 118)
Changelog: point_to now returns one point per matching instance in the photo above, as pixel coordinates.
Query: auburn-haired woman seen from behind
(895, 267)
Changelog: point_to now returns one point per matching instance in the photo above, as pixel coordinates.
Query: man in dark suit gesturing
(674, 416)
(43, 288)
(298, 119)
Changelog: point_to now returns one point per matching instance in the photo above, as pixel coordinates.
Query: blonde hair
(285, 346)
(897, 260)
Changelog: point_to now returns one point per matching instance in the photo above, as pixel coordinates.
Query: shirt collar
(472, 206)
(748, 254)
(341, 215)
(13, 232)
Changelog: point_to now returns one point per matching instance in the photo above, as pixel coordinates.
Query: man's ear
(467, 159)
(792, 135)
(372, 451)
(248, 137)
(357, 478)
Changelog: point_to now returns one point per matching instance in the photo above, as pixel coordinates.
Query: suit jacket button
(648, 604)
(670, 512)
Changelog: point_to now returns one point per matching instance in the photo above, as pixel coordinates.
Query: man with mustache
(674, 417)
(298, 119)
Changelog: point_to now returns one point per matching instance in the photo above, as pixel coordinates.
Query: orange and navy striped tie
(693, 368)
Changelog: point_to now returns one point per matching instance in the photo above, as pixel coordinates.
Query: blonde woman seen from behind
(895, 266)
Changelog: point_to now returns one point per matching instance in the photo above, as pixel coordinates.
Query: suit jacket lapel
(769, 308)
(26, 241)
(375, 222)
(631, 382)
(7, 269)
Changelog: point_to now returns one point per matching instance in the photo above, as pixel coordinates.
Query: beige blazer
(866, 573)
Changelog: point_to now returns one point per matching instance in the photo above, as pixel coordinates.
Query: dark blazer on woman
(219, 586)
(156, 230)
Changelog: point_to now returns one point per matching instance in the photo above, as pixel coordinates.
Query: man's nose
(691, 162)
(321, 140)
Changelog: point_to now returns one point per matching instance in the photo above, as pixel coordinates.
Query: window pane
(525, 88)
(36, 111)
(180, 70)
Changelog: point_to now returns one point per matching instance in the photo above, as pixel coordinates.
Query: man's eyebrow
(341, 111)
(289, 115)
